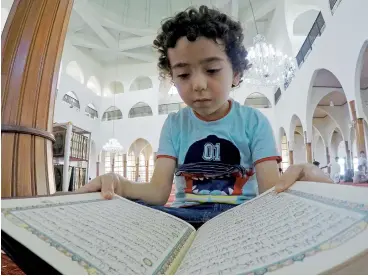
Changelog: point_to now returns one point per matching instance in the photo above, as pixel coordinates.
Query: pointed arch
(141, 83)
(74, 71)
(112, 113)
(94, 85)
(257, 100)
(71, 99)
(91, 111)
(140, 109)
(116, 87)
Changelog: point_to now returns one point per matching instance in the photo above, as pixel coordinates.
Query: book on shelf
(312, 228)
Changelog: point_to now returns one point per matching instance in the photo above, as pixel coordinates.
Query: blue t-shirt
(215, 160)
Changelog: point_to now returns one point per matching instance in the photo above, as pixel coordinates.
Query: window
(112, 113)
(71, 99)
(284, 153)
(131, 169)
(257, 100)
(108, 161)
(91, 111)
(142, 168)
(119, 164)
(140, 110)
(168, 108)
(151, 167)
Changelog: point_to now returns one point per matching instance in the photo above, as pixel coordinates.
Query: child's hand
(109, 184)
(302, 172)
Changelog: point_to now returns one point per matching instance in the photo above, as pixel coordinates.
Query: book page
(90, 235)
(275, 231)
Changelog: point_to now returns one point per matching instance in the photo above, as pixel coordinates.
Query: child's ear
(236, 79)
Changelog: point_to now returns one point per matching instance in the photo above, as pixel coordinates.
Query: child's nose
(199, 82)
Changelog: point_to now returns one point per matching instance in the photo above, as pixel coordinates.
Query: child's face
(202, 73)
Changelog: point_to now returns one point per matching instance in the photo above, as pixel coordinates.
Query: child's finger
(108, 184)
(291, 175)
(93, 186)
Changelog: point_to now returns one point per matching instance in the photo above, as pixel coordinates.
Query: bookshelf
(71, 152)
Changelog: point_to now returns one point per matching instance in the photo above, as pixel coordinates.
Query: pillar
(328, 158)
(308, 148)
(136, 168)
(348, 156)
(360, 137)
(67, 147)
(291, 157)
(359, 128)
(32, 43)
(147, 170)
(125, 165)
(154, 157)
(97, 168)
(112, 162)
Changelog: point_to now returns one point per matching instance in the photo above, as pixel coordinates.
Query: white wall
(297, 99)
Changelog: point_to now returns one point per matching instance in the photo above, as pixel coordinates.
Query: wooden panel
(23, 167)
(32, 42)
(7, 160)
(40, 157)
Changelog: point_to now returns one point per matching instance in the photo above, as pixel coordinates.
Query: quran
(312, 228)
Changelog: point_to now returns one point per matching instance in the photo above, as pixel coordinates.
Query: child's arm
(267, 175)
(155, 192)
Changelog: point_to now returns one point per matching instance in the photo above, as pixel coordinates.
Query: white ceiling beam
(259, 11)
(110, 20)
(124, 44)
(82, 42)
(88, 16)
(235, 9)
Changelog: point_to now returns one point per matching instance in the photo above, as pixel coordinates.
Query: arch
(294, 123)
(94, 85)
(112, 113)
(116, 87)
(139, 145)
(257, 100)
(91, 111)
(361, 82)
(284, 149)
(4, 17)
(74, 70)
(303, 22)
(141, 83)
(71, 99)
(140, 109)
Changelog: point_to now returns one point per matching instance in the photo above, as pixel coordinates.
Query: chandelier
(113, 146)
(268, 66)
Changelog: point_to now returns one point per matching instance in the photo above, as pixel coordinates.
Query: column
(308, 148)
(328, 157)
(112, 162)
(291, 157)
(32, 43)
(125, 164)
(97, 168)
(147, 170)
(359, 128)
(136, 168)
(67, 146)
(348, 156)
(360, 138)
(154, 157)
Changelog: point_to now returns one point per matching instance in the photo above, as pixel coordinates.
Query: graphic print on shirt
(212, 167)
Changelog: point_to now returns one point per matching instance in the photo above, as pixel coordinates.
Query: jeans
(195, 215)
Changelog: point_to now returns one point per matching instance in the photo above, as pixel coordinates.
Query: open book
(312, 228)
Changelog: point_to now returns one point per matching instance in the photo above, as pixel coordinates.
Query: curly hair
(206, 22)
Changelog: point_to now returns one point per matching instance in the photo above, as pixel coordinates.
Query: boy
(215, 145)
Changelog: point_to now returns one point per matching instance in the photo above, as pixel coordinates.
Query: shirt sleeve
(263, 146)
(166, 147)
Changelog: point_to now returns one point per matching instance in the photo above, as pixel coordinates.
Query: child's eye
(183, 76)
(213, 71)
